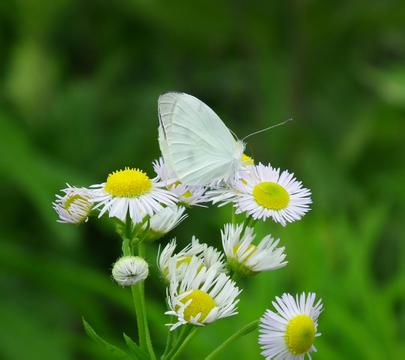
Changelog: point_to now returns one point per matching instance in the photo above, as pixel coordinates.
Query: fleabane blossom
(265, 192)
(290, 332)
(246, 258)
(207, 256)
(187, 195)
(74, 206)
(201, 296)
(129, 270)
(163, 222)
(131, 191)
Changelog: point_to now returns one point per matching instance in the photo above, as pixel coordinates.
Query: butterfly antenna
(233, 133)
(267, 128)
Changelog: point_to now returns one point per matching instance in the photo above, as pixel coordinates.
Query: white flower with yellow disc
(289, 333)
(164, 221)
(74, 206)
(265, 192)
(246, 258)
(201, 296)
(188, 195)
(208, 257)
(131, 191)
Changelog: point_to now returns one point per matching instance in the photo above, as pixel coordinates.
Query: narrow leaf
(114, 350)
(135, 349)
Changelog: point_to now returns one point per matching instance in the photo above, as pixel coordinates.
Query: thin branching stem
(242, 332)
(184, 343)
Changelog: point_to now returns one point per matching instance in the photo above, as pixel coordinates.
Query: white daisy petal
(164, 221)
(208, 257)
(289, 333)
(187, 195)
(246, 258)
(131, 191)
(200, 295)
(74, 206)
(265, 192)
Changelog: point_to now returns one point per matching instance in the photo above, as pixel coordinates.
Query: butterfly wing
(194, 141)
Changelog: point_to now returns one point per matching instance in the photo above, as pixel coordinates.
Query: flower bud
(74, 206)
(164, 221)
(129, 270)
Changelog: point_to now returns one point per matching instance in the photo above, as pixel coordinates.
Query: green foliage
(137, 352)
(79, 82)
(115, 352)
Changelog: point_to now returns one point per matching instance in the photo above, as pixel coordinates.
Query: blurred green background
(79, 82)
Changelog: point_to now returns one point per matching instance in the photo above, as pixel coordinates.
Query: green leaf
(135, 349)
(115, 351)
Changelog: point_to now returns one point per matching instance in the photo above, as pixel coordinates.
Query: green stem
(141, 250)
(135, 289)
(242, 332)
(233, 218)
(184, 343)
(169, 340)
(236, 276)
(246, 223)
(138, 293)
(177, 342)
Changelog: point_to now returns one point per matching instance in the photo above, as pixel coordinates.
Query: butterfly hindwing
(194, 141)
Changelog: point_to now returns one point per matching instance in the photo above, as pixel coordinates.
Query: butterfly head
(240, 148)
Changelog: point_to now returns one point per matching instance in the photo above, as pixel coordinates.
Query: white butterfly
(195, 143)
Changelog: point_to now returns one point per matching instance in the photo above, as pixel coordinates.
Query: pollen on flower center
(72, 199)
(247, 160)
(128, 183)
(184, 260)
(300, 334)
(187, 194)
(271, 195)
(201, 303)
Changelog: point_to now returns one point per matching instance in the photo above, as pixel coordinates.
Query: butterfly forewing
(198, 146)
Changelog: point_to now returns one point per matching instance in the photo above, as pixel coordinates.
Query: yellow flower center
(70, 200)
(128, 183)
(201, 303)
(300, 334)
(175, 184)
(185, 260)
(187, 194)
(271, 195)
(247, 160)
(251, 249)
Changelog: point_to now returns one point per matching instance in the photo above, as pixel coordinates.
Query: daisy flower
(131, 191)
(187, 195)
(247, 258)
(265, 192)
(130, 270)
(289, 333)
(74, 206)
(207, 256)
(201, 296)
(164, 221)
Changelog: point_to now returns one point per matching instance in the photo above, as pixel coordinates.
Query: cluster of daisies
(199, 279)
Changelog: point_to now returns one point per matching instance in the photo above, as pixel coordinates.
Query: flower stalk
(247, 329)
(137, 291)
